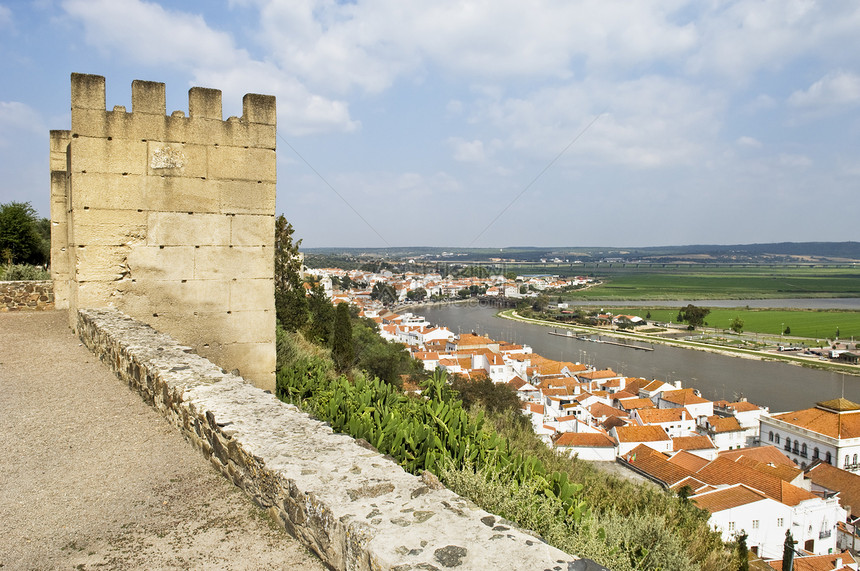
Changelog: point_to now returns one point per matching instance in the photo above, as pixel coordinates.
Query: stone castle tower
(170, 219)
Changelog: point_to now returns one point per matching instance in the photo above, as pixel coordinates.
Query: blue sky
(487, 123)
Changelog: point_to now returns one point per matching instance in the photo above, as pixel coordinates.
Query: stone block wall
(170, 218)
(355, 508)
(26, 295)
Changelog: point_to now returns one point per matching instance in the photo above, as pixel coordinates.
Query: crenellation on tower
(148, 97)
(170, 218)
(204, 103)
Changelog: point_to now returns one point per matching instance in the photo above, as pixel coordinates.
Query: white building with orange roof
(699, 407)
(629, 437)
(653, 389)
(726, 432)
(593, 446)
(829, 432)
(675, 421)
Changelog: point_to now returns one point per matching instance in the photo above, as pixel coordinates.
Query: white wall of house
(764, 521)
(727, 440)
(845, 453)
(591, 453)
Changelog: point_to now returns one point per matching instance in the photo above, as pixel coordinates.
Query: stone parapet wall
(26, 295)
(355, 508)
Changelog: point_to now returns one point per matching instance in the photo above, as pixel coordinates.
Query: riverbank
(512, 315)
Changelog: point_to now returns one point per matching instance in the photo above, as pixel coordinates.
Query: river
(779, 386)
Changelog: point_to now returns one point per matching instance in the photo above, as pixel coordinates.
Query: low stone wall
(355, 508)
(26, 295)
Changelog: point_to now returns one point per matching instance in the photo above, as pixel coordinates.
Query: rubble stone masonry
(170, 218)
(26, 295)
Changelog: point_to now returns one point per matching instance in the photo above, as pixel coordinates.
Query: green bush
(15, 272)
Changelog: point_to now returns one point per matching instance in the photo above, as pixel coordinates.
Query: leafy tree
(540, 302)
(741, 551)
(318, 328)
(380, 358)
(291, 306)
(648, 315)
(737, 325)
(787, 330)
(24, 239)
(417, 294)
(463, 293)
(693, 316)
(494, 397)
(524, 289)
(510, 275)
(342, 350)
(384, 293)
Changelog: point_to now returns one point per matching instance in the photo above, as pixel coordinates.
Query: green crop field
(809, 324)
(696, 282)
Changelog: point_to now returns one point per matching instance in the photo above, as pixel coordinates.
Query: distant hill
(819, 252)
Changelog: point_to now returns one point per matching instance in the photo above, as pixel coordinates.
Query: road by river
(780, 386)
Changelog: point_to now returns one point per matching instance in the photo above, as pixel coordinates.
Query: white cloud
(467, 151)
(149, 34)
(837, 88)
(5, 16)
(744, 37)
(17, 118)
(794, 161)
(647, 122)
(748, 142)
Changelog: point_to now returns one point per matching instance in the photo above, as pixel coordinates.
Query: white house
(829, 432)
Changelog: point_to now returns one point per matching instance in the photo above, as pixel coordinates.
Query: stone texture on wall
(170, 218)
(354, 507)
(26, 295)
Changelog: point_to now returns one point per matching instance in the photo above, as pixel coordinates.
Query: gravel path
(93, 478)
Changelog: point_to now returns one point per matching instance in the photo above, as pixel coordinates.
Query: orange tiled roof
(824, 421)
(687, 460)
(818, 562)
(720, 424)
(781, 471)
(764, 454)
(641, 434)
(587, 439)
(656, 464)
(697, 442)
(838, 480)
(634, 403)
(724, 471)
(599, 410)
(682, 397)
(727, 498)
(595, 375)
(659, 415)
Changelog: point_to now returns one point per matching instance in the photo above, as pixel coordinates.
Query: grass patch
(809, 324)
(696, 282)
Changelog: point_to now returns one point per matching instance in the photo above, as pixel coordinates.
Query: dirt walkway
(92, 477)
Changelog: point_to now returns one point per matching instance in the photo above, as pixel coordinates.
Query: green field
(808, 324)
(697, 282)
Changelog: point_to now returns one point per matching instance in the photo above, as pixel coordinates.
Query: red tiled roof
(586, 439)
(697, 442)
(727, 498)
(765, 454)
(826, 422)
(687, 460)
(660, 415)
(641, 434)
(838, 480)
(720, 424)
(682, 397)
(634, 403)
